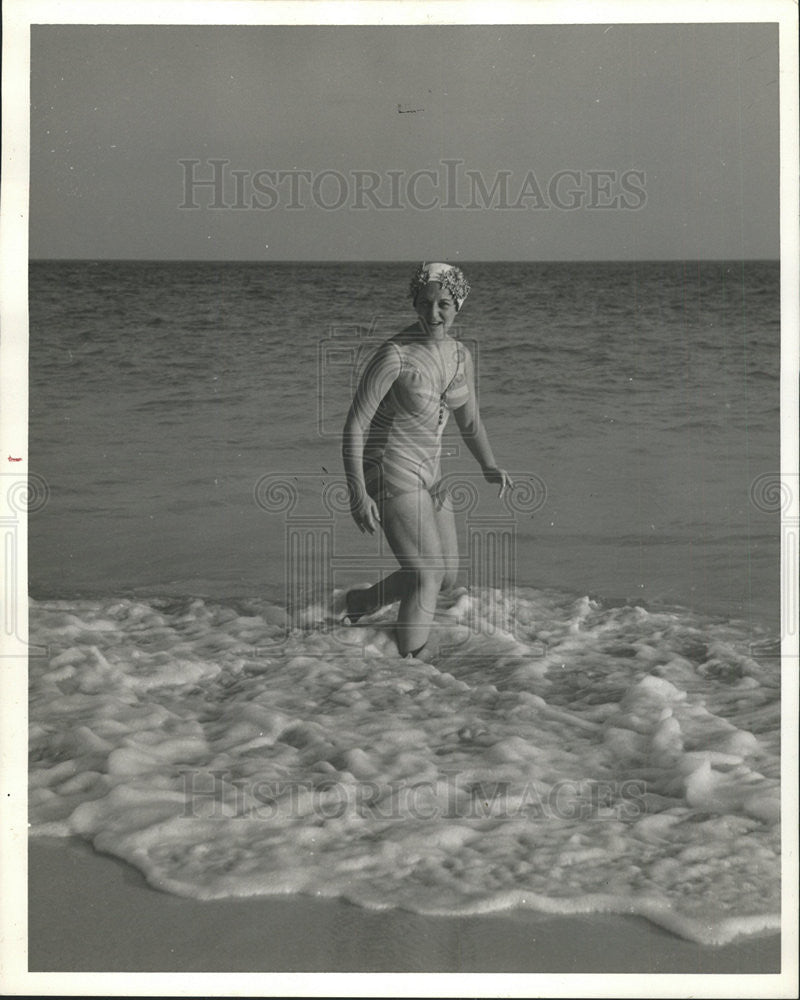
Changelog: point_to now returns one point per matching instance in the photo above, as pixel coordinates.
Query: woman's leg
(448, 538)
(397, 585)
(368, 599)
(410, 525)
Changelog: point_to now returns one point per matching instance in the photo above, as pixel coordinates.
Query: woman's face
(435, 308)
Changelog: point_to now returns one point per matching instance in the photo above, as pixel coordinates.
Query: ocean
(600, 730)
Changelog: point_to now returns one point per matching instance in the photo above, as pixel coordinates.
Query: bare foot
(357, 604)
(426, 652)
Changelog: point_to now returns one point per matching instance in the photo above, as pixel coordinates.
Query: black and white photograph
(400, 498)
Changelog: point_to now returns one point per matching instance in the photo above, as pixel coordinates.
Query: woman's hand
(365, 512)
(494, 475)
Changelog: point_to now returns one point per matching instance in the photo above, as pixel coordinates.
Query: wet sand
(93, 913)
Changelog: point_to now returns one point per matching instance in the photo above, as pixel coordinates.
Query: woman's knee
(450, 578)
(431, 578)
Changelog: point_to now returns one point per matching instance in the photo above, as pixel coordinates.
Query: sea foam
(554, 754)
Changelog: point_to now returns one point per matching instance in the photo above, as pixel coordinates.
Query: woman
(391, 449)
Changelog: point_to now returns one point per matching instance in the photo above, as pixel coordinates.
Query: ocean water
(600, 728)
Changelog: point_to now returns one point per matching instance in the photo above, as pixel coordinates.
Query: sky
(493, 142)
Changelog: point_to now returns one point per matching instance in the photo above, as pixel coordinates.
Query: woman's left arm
(468, 420)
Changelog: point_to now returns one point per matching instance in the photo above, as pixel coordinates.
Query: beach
(587, 777)
(92, 913)
(215, 780)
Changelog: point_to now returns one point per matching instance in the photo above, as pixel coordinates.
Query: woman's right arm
(380, 373)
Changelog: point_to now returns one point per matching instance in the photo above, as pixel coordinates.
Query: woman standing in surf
(391, 449)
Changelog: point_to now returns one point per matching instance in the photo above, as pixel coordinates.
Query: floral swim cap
(450, 277)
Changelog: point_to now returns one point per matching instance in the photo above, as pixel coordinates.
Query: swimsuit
(404, 443)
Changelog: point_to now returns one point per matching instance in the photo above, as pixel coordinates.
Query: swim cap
(450, 277)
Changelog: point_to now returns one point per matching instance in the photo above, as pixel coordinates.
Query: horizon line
(397, 260)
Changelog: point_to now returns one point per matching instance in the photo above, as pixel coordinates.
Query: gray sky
(692, 108)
